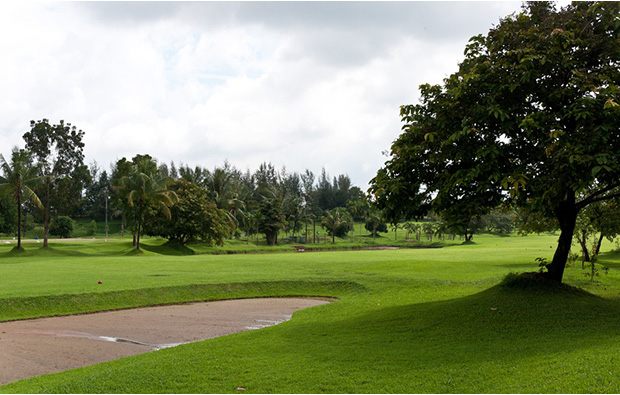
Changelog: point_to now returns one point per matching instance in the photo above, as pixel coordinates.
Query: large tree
(58, 150)
(19, 176)
(531, 118)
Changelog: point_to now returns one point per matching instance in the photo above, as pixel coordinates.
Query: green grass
(406, 321)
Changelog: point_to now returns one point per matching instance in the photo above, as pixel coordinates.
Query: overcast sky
(298, 84)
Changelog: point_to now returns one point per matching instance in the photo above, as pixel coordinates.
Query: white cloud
(305, 85)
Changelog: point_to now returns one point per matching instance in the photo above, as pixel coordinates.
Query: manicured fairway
(408, 321)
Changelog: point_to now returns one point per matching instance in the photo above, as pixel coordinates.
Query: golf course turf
(406, 321)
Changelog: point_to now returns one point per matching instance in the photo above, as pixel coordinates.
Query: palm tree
(334, 219)
(297, 213)
(19, 176)
(143, 188)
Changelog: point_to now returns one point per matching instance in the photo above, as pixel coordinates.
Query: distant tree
(198, 175)
(271, 216)
(602, 218)
(143, 188)
(92, 228)
(296, 213)
(375, 221)
(249, 223)
(193, 217)
(8, 214)
(19, 176)
(412, 227)
(62, 227)
(530, 118)
(119, 204)
(499, 221)
(607, 221)
(336, 222)
(59, 152)
(96, 192)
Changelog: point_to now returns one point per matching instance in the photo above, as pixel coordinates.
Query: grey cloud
(437, 20)
(339, 33)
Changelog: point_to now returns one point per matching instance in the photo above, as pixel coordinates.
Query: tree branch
(595, 197)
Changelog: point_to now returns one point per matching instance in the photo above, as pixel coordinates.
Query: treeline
(47, 181)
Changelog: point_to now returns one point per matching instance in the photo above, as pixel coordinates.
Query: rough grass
(407, 321)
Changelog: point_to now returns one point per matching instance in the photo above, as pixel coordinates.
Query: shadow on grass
(41, 252)
(500, 324)
(169, 248)
(611, 258)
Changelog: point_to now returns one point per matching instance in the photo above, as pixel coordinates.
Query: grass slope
(407, 321)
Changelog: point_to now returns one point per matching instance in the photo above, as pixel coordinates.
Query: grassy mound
(53, 305)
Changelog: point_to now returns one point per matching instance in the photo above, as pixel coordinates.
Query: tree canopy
(531, 119)
(58, 150)
(192, 217)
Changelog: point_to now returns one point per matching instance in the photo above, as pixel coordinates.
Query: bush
(92, 228)
(61, 227)
(381, 227)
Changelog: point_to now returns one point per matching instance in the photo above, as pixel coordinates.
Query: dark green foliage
(193, 217)
(92, 228)
(18, 180)
(141, 189)
(61, 227)
(95, 196)
(498, 221)
(337, 222)
(271, 218)
(8, 215)
(58, 150)
(375, 228)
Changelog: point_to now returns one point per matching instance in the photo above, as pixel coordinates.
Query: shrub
(92, 228)
(61, 227)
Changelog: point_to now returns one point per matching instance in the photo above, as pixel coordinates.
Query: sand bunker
(49, 345)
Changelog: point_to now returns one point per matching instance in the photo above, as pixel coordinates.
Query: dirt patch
(49, 345)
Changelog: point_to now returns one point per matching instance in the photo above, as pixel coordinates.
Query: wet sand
(48, 345)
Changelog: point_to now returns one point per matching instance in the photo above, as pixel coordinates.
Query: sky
(305, 85)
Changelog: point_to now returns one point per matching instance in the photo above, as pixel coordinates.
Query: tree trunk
(271, 238)
(19, 222)
(46, 219)
(140, 212)
(597, 249)
(582, 239)
(313, 231)
(566, 213)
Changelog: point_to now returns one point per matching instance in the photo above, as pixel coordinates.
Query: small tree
(336, 222)
(92, 228)
(62, 227)
(375, 222)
